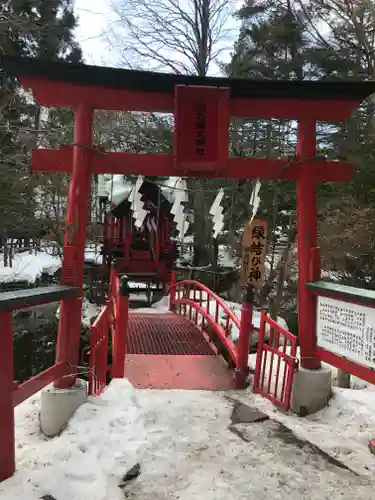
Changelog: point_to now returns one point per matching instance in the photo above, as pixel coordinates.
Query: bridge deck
(167, 351)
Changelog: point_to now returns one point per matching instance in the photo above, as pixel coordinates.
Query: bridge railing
(276, 363)
(98, 352)
(212, 315)
(11, 392)
(110, 325)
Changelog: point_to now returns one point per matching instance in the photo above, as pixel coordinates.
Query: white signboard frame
(347, 330)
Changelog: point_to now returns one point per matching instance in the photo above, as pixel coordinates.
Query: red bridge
(179, 350)
(168, 351)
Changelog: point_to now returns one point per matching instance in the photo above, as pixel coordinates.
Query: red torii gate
(202, 108)
(199, 150)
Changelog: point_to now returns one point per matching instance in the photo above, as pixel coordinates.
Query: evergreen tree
(285, 41)
(36, 29)
(271, 44)
(42, 29)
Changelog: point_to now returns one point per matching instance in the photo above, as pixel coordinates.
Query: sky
(95, 18)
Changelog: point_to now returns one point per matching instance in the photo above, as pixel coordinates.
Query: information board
(347, 330)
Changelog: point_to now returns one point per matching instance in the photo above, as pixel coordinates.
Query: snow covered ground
(28, 266)
(343, 429)
(188, 448)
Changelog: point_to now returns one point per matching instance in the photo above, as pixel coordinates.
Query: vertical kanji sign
(201, 128)
(254, 251)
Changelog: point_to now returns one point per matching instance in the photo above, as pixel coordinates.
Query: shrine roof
(147, 81)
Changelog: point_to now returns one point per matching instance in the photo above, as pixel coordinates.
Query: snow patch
(29, 267)
(343, 429)
(92, 254)
(90, 312)
(102, 441)
(186, 449)
(160, 307)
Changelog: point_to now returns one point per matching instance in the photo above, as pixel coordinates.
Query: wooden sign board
(254, 248)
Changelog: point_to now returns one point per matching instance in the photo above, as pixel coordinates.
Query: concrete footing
(58, 406)
(311, 390)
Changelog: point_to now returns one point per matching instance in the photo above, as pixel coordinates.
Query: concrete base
(58, 405)
(311, 390)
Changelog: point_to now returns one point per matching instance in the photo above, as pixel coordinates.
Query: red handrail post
(243, 345)
(121, 328)
(7, 451)
(112, 281)
(172, 292)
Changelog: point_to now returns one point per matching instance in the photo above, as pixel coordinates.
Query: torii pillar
(72, 272)
(306, 240)
(311, 389)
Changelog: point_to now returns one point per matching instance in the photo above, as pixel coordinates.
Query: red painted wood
(243, 345)
(306, 240)
(315, 264)
(60, 160)
(181, 293)
(348, 366)
(35, 384)
(98, 353)
(293, 109)
(75, 242)
(194, 372)
(172, 291)
(70, 95)
(275, 352)
(166, 335)
(7, 452)
(121, 328)
(201, 128)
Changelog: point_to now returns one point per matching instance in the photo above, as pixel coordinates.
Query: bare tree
(184, 37)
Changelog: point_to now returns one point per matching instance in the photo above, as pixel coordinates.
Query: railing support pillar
(121, 328)
(172, 292)
(243, 345)
(7, 452)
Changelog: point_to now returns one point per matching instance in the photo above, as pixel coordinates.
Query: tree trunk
(202, 232)
(6, 252)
